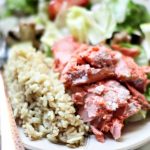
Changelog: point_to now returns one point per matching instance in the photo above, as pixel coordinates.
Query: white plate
(134, 136)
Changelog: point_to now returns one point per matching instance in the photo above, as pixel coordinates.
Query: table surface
(145, 147)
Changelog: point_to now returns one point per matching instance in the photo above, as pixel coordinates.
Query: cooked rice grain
(39, 101)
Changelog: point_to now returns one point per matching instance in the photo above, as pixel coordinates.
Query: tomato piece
(55, 5)
(79, 2)
(132, 52)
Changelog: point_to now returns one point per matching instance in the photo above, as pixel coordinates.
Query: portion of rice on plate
(39, 101)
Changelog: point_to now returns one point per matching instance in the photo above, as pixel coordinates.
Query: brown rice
(39, 101)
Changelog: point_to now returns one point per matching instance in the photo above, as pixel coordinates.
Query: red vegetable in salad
(132, 52)
(55, 5)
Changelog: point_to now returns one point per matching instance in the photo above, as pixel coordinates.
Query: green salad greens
(136, 15)
(142, 58)
(87, 26)
(20, 7)
(147, 93)
(137, 117)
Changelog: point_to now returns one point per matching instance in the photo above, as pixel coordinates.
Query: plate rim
(132, 146)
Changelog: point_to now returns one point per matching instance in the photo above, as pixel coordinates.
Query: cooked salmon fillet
(106, 86)
(82, 64)
(105, 105)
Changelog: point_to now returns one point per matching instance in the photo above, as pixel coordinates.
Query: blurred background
(12, 10)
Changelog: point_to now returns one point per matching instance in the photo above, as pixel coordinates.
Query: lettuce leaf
(142, 58)
(136, 15)
(118, 7)
(22, 6)
(147, 93)
(51, 35)
(146, 31)
(90, 26)
(47, 50)
(138, 116)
